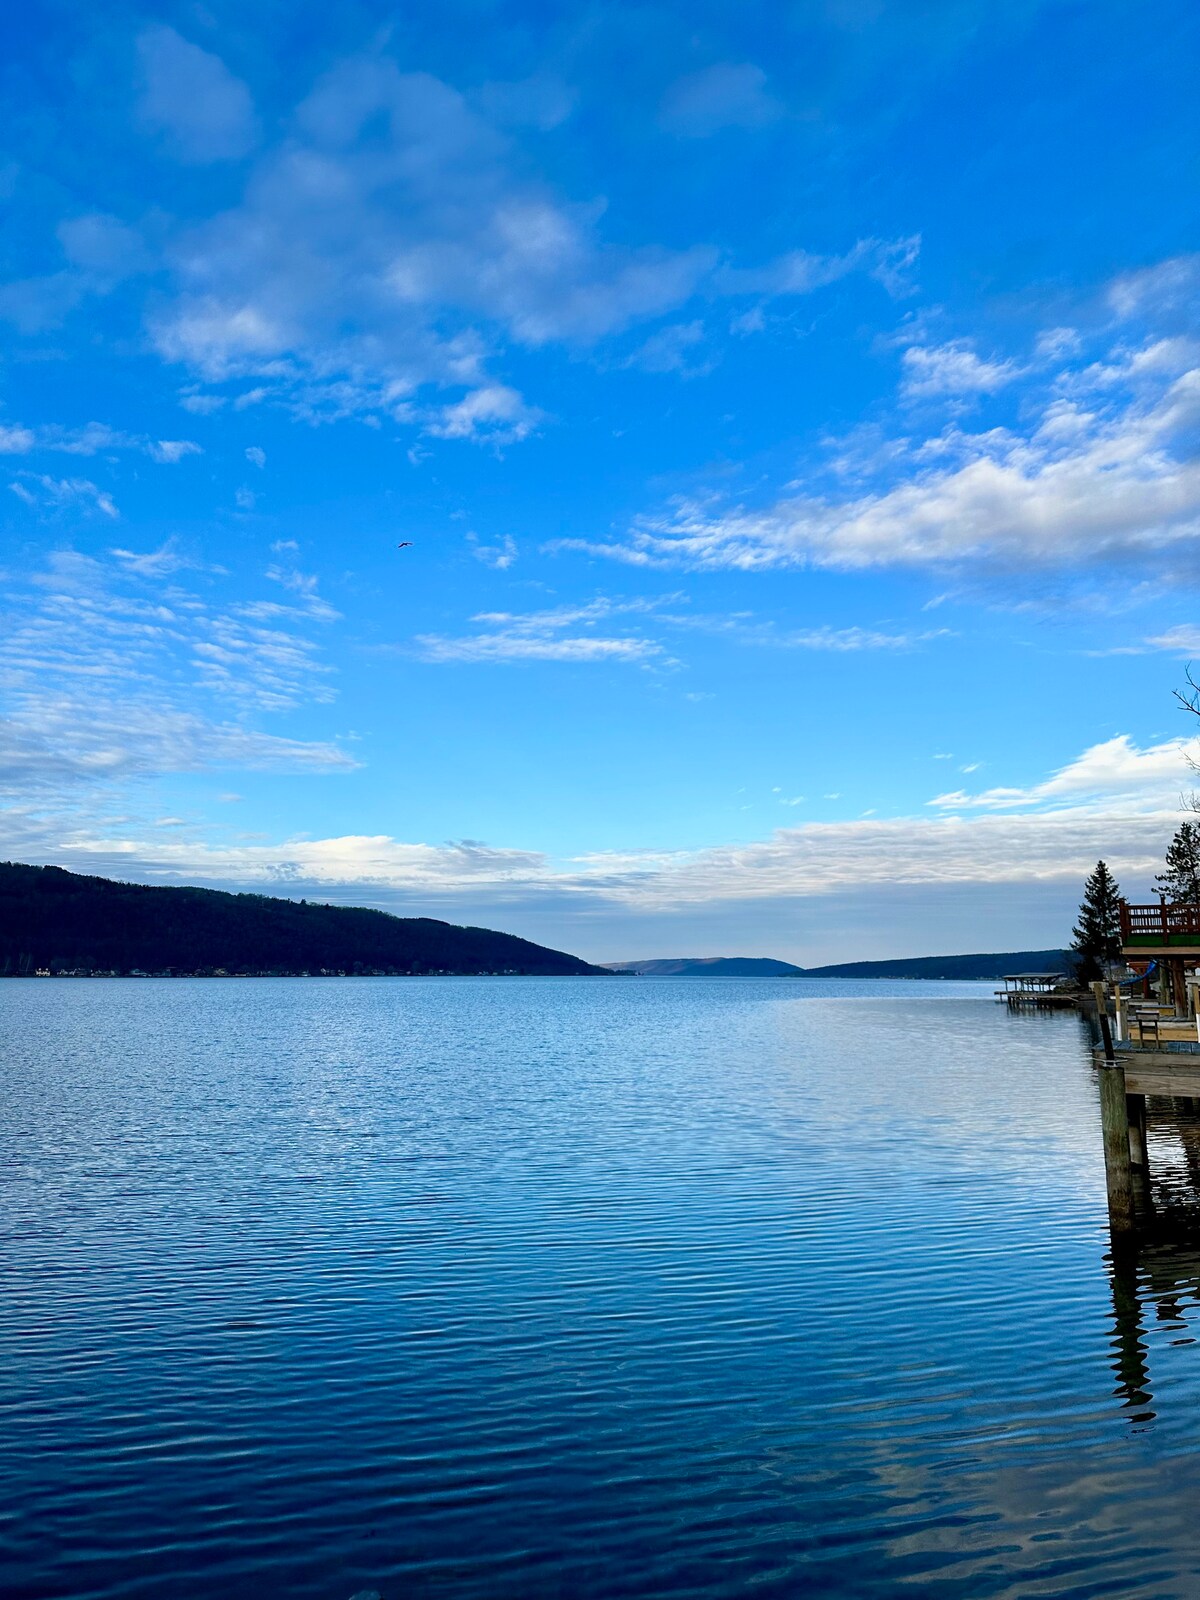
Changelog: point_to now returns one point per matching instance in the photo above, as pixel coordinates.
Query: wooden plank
(1169, 1081)
(1161, 1072)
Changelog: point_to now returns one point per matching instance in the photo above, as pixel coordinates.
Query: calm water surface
(571, 1287)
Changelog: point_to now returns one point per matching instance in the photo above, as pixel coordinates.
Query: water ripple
(561, 1287)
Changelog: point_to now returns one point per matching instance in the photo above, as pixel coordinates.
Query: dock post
(1120, 1018)
(1101, 1000)
(1114, 1123)
(1135, 1111)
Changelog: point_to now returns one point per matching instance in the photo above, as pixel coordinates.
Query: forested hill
(710, 967)
(976, 966)
(63, 922)
(995, 965)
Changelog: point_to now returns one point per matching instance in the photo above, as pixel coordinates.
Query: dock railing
(1161, 921)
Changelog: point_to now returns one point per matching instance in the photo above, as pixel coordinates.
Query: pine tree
(1098, 931)
(1181, 881)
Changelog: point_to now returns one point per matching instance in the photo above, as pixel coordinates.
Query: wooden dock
(1173, 1073)
(1038, 991)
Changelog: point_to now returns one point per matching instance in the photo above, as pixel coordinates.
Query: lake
(579, 1287)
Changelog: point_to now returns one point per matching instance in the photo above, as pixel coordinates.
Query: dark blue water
(521, 1287)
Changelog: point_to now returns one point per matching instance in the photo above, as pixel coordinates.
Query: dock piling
(1114, 1122)
(1101, 999)
(1135, 1111)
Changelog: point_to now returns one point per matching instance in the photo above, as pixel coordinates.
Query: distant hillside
(710, 967)
(984, 967)
(979, 966)
(56, 920)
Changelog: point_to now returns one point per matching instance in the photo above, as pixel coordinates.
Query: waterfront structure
(1162, 1063)
(1168, 935)
(1036, 989)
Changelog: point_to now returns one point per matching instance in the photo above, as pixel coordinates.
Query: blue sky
(793, 411)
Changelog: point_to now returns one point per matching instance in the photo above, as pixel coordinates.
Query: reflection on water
(1155, 1274)
(520, 1288)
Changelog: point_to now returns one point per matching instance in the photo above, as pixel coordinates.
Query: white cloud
(94, 438)
(105, 668)
(1183, 640)
(256, 456)
(1118, 484)
(746, 322)
(191, 97)
(201, 405)
(1158, 290)
(394, 239)
(500, 556)
(494, 412)
(952, 369)
(40, 489)
(1053, 344)
(1114, 770)
(302, 585)
(160, 563)
(512, 645)
(172, 450)
(842, 640)
(672, 349)
(369, 245)
(802, 272)
(726, 95)
(100, 252)
(566, 633)
(804, 862)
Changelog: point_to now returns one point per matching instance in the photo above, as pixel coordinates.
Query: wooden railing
(1161, 921)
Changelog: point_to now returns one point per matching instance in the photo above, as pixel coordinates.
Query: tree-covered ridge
(57, 921)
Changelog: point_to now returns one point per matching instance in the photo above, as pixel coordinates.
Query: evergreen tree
(1181, 881)
(1098, 931)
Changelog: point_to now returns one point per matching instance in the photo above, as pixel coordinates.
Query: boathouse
(1037, 989)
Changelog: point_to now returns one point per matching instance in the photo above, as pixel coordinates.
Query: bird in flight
(407, 545)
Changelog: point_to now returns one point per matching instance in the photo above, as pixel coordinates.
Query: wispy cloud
(1183, 640)
(168, 558)
(94, 438)
(38, 489)
(726, 95)
(847, 639)
(172, 450)
(1079, 488)
(193, 100)
(377, 256)
(674, 349)
(500, 556)
(566, 633)
(494, 413)
(110, 672)
(800, 272)
(794, 863)
(953, 369)
(1115, 770)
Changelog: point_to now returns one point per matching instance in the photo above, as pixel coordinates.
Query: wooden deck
(1173, 929)
(1171, 1073)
